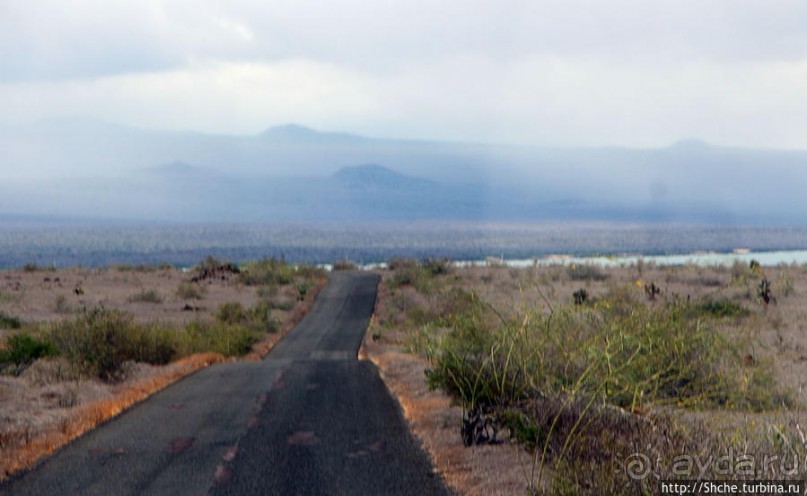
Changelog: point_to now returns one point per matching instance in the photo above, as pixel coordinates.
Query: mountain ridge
(298, 173)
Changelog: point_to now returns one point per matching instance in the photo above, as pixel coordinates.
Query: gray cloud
(50, 39)
(634, 72)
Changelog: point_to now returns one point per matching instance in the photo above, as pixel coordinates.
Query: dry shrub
(565, 382)
(21, 449)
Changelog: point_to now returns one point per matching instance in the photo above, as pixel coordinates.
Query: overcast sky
(546, 72)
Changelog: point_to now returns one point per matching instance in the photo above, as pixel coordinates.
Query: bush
(267, 271)
(9, 322)
(617, 349)
(261, 318)
(258, 319)
(302, 289)
(401, 263)
(190, 291)
(219, 337)
(100, 341)
(22, 350)
(722, 308)
(437, 266)
(421, 276)
(213, 268)
(586, 272)
(573, 382)
(32, 267)
(147, 296)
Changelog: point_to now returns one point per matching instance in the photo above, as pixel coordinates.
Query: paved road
(310, 419)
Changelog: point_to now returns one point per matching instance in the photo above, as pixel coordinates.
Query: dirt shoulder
(48, 403)
(493, 469)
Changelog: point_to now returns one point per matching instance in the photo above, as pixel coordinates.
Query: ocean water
(772, 258)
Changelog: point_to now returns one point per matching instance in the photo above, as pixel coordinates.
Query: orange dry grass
(86, 417)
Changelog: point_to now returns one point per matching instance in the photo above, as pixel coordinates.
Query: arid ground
(707, 361)
(477, 335)
(184, 319)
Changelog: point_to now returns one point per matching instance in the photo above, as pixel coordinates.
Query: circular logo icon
(637, 466)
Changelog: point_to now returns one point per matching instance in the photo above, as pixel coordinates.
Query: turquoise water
(771, 258)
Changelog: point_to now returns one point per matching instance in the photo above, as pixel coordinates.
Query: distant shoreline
(182, 245)
(709, 259)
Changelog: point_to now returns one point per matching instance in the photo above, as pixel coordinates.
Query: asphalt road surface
(310, 419)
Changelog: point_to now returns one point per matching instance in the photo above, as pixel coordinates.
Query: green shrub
(280, 305)
(22, 350)
(32, 267)
(267, 271)
(147, 296)
(219, 337)
(302, 289)
(258, 319)
(437, 266)
(99, 342)
(231, 313)
(261, 318)
(619, 350)
(722, 308)
(421, 276)
(407, 276)
(9, 322)
(567, 380)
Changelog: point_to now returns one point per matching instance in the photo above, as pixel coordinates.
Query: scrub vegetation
(590, 369)
(114, 330)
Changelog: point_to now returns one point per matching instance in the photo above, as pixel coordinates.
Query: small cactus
(764, 292)
(652, 291)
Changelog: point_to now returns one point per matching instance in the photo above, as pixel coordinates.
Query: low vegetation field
(78, 345)
(608, 380)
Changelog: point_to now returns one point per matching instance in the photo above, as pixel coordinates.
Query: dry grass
(481, 470)
(496, 469)
(49, 404)
(264, 346)
(767, 338)
(21, 449)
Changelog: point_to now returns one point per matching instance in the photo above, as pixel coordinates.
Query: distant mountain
(690, 145)
(296, 134)
(89, 168)
(179, 170)
(378, 177)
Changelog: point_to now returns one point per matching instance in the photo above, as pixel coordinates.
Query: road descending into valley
(310, 419)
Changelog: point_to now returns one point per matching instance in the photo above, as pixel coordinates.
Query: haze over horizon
(549, 73)
(526, 110)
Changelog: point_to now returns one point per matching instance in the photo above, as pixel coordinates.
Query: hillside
(287, 173)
